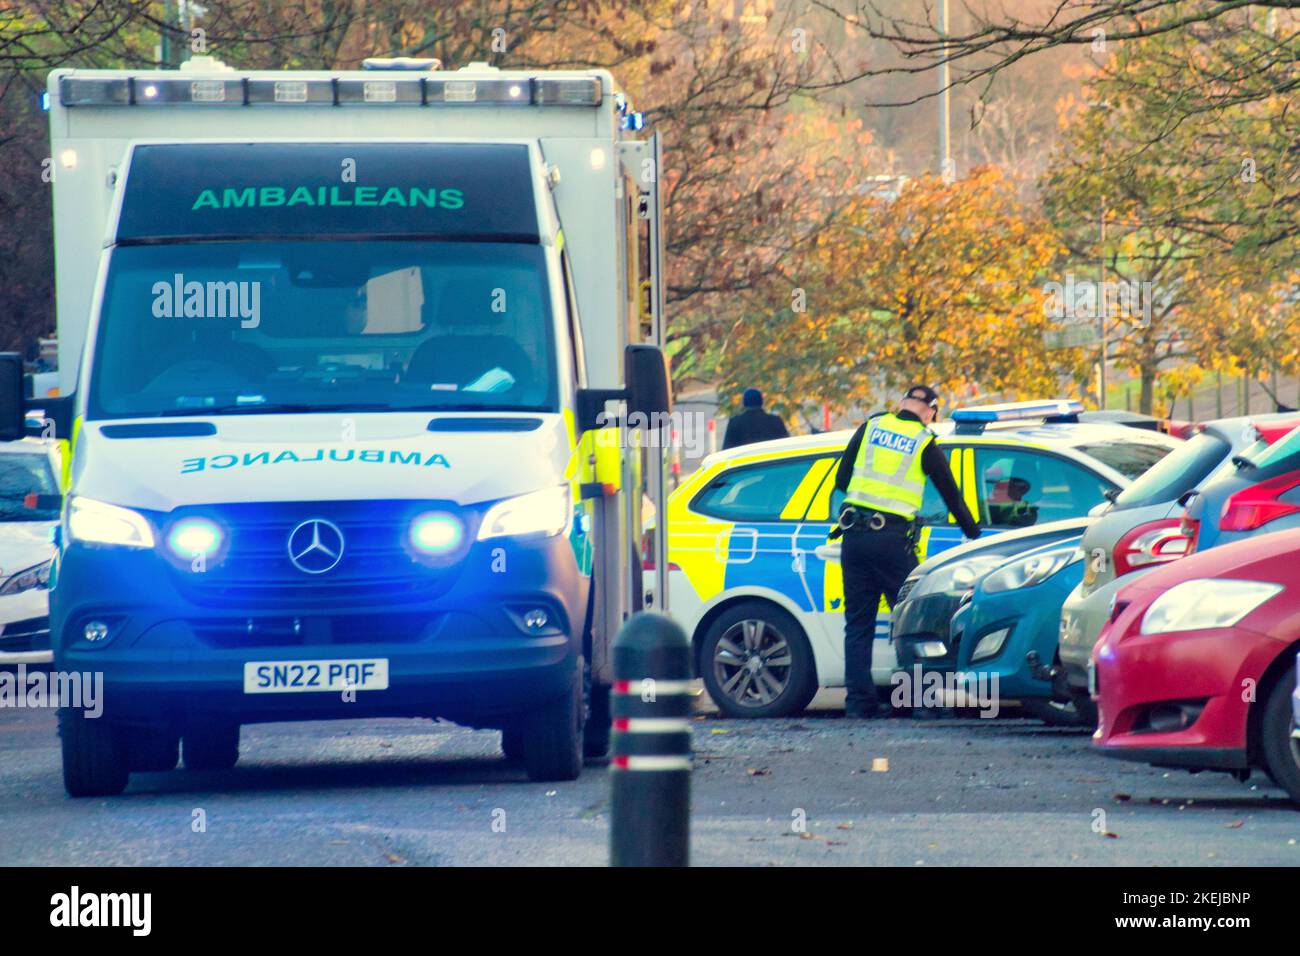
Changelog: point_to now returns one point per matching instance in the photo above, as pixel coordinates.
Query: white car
(29, 511)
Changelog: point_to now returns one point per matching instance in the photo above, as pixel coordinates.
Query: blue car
(1007, 630)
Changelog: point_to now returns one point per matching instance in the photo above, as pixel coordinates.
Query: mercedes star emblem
(316, 546)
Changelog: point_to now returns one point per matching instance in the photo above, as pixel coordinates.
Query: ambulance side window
(575, 326)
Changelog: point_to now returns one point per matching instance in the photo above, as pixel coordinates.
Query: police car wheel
(756, 662)
(94, 761)
(215, 747)
(552, 736)
(1280, 750)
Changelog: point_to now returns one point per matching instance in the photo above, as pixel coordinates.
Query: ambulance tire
(800, 675)
(552, 736)
(215, 747)
(597, 731)
(1280, 750)
(512, 743)
(152, 749)
(94, 761)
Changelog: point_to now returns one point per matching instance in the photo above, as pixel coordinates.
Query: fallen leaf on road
(1234, 825)
(844, 826)
(757, 771)
(880, 765)
(393, 858)
(718, 730)
(1123, 797)
(1110, 836)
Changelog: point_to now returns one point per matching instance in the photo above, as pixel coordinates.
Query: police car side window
(754, 492)
(1020, 488)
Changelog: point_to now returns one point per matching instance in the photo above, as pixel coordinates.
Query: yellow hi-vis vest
(887, 474)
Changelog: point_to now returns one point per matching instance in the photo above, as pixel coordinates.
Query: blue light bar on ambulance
(155, 90)
(1017, 411)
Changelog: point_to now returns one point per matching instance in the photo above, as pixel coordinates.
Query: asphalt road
(900, 792)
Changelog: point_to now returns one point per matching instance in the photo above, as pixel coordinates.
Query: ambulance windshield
(200, 328)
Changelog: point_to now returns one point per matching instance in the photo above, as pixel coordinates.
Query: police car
(757, 586)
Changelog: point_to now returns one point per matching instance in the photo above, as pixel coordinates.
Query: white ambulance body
(335, 347)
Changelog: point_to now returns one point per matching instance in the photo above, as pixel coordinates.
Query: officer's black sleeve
(732, 431)
(845, 470)
(935, 465)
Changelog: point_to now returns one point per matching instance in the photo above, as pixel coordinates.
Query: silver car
(1141, 529)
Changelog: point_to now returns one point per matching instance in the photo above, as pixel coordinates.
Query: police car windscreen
(464, 191)
(242, 327)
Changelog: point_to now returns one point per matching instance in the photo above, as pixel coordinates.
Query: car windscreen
(23, 476)
(1177, 472)
(241, 327)
(1129, 458)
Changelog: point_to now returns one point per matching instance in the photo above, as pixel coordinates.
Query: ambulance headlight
(97, 522)
(542, 514)
(435, 533)
(195, 537)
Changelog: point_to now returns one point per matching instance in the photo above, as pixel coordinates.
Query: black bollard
(650, 762)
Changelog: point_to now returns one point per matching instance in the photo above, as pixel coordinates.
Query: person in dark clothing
(883, 473)
(753, 424)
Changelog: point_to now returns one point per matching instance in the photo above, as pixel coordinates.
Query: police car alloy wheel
(756, 662)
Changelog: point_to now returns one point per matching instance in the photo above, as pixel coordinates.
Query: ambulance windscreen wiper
(273, 408)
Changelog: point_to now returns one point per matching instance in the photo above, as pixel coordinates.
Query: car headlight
(543, 513)
(1031, 570)
(959, 576)
(97, 522)
(1205, 603)
(33, 577)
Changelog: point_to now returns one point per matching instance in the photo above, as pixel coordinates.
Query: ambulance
(343, 355)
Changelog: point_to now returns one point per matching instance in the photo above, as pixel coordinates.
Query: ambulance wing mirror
(645, 369)
(13, 391)
(648, 391)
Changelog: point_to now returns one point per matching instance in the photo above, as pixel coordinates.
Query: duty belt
(852, 516)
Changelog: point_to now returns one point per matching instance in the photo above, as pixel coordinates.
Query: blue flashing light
(634, 121)
(191, 537)
(45, 101)
(1017, 411)
(436, 533)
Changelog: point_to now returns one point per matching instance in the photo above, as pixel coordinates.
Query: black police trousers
(875, 563)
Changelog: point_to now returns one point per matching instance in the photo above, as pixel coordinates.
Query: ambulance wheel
(552, 736)
(214, 747)
(151, 749)
(1281, 751)
(756, 662)
(94, 762)
(596, 732)
(512, 743)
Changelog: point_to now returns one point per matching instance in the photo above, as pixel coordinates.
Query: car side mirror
(648, 391)
(645, 369)
(13, 392)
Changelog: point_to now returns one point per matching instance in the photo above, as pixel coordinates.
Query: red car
(1196, 666)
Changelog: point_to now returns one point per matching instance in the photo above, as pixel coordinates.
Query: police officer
(883, 474)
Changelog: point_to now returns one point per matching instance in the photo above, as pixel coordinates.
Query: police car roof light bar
(975, 418)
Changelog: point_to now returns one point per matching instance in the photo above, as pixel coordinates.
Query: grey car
(1141, 529)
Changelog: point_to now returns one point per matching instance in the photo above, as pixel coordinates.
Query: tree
(940, 284)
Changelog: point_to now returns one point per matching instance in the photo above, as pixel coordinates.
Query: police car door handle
(828, 552)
